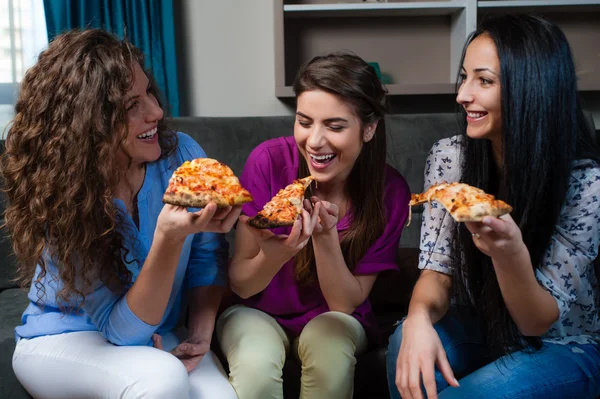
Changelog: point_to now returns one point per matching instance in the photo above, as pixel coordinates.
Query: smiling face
(329, 135)
(143, 115)
(479, 92)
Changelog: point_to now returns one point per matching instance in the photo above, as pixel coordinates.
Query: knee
(328, 331)
(326, 347)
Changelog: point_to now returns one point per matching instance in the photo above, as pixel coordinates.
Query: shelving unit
(417, 44)
(579, 19)
(418, 8)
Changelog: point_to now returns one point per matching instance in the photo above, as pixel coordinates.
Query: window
(22, 37)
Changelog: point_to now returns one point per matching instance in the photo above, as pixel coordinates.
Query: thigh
(554, 372)
(241, 327)
(209, 380)
(86, 365)
(255, 346)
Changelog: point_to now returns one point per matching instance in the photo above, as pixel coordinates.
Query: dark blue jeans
(555, 371)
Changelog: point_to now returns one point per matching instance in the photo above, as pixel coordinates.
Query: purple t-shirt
(270, 167)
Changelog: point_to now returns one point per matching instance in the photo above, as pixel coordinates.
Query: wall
(227, 66)
(226, 62)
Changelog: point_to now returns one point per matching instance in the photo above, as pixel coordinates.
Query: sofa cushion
(7, 259)
(12, 303)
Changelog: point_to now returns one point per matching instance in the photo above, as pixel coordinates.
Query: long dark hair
(355, 82)
(543, 132)
(59, 165)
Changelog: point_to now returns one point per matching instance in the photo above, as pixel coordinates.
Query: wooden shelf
(535, 3)
(393, 89)
(374, 9)
(421, 88)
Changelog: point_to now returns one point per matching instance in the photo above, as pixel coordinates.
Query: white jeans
(85, 365)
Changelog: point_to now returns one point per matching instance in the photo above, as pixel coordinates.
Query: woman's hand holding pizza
(282, 245)
(177, 222)
(497, 237)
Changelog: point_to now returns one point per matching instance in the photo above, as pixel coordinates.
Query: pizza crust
(261, 222)
(195, 201)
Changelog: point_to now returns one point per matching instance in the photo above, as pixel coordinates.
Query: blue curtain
(148, 24)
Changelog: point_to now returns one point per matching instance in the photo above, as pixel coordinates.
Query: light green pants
(256, 348)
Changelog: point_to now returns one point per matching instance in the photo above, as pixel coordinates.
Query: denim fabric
(555, 371)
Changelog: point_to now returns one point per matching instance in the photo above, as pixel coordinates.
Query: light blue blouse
(203, 262)
(566, 270)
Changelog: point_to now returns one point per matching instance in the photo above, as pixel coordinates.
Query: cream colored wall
(228, 58)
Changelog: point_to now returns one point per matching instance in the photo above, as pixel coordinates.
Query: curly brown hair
(59, 166)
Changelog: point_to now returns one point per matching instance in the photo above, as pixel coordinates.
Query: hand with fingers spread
(420, 351)
(190, 352)
(178, 222)
(328, 215)
(281, 246)
(498, 238)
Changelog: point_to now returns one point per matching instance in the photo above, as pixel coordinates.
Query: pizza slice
(284, 207)
(198, 182)
(465, 203)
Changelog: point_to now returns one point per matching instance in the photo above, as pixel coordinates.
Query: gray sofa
(230, 140)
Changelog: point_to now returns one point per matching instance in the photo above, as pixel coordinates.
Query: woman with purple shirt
(303, 289)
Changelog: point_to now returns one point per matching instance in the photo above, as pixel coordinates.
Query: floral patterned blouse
(566, 270)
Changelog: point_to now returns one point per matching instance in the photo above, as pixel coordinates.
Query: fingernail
(183, 347)
(486, 220)
(457, 384)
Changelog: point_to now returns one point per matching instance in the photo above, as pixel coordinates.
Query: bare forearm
(341, 289)
(204, 305)
(431, 296)
(532, 308)
(250, 276)
(149, 295)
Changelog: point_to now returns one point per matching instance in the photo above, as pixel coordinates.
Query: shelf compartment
(418, 49)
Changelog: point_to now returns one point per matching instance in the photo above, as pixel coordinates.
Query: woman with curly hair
(87, 160)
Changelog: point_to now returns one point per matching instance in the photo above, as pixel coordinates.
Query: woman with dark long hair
(303, 289)
(525, 318)
(87, 161)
